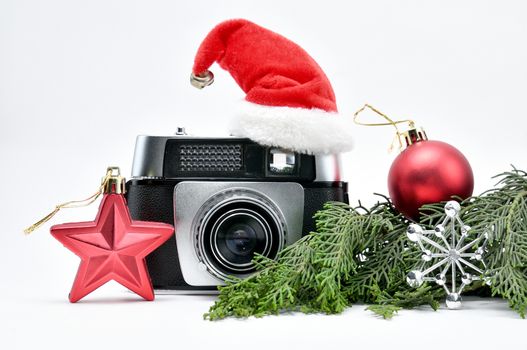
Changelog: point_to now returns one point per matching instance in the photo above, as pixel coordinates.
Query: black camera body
(228, 199)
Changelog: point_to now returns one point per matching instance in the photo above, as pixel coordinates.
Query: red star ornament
(112, 247)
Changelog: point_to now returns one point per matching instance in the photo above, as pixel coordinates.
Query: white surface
(78, 81)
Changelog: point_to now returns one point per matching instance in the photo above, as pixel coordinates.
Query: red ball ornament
(427, 172)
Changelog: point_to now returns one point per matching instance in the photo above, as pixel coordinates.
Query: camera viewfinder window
(281, 162)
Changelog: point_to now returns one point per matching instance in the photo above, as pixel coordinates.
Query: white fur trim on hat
(302, 130)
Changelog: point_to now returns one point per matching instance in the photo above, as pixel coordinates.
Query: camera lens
(234, 229)
(240, 240)
(237, 236)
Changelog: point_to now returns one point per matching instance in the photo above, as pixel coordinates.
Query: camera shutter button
(180, 131)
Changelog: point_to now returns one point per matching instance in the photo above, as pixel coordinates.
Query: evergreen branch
(324, 271)
(363, 255)
(386, 305)
(502, 213)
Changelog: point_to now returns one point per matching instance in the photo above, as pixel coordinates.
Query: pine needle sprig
(338, 244)
(502, 213)
(272, 289)
(326, 271)
(363, 255)
(386, 258)
(386, 305)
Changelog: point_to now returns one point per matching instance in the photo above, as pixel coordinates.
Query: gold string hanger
(394, 123)
(76, 204)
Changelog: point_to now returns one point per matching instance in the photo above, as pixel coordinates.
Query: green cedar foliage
(502, 213)
(360, 255)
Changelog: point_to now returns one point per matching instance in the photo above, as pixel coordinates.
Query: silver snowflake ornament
(457, 256)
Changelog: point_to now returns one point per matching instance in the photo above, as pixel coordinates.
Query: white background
(80, 79)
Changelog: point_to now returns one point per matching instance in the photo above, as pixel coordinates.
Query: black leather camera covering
(152, 200)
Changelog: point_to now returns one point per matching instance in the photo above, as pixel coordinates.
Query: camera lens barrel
(232, 227)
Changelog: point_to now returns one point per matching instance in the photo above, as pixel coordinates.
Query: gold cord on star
(77, 203)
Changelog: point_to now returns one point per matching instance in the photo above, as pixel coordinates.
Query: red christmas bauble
(428, 172)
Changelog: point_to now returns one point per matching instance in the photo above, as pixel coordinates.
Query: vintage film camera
(228, 199)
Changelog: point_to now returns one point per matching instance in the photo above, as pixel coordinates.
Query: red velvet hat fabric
(289, 100)
(271, 69)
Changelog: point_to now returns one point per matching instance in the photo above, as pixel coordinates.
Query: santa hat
(289, 100)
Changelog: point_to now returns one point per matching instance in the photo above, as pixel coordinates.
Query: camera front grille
(210, 158)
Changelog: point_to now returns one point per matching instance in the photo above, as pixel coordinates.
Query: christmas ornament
(444, 256)
(425, 171)
(289, 100)
(113, 246)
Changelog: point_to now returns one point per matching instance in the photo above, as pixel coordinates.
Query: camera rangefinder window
(281, 161)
